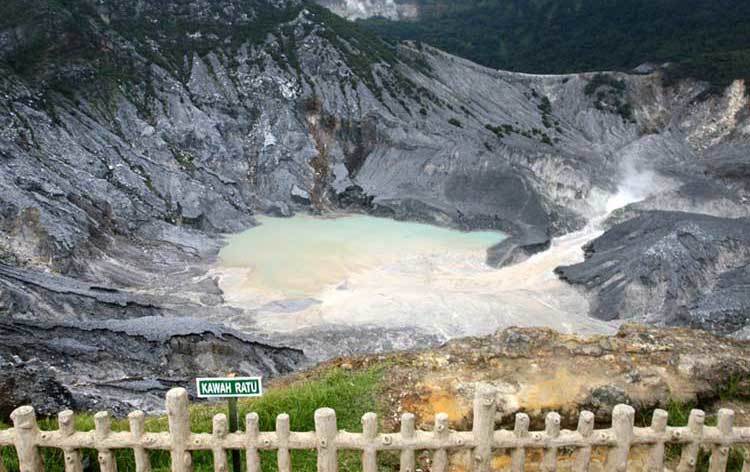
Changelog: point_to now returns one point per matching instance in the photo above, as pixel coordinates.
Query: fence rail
(26, 437)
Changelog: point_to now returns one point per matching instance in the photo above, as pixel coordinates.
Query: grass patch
(679, 413)
(351, 394)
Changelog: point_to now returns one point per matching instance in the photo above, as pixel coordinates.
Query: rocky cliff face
(669, 267)
(133, 133)
(390, 9)
(124, 364)
(196, 126)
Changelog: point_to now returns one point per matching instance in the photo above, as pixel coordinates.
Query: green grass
(351, 394)
(679, 413)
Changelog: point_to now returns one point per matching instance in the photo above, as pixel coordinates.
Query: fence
(327, 440)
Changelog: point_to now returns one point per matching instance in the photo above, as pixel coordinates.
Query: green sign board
(229, 387)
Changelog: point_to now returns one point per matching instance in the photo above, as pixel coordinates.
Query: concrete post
(251, 450)
(72, 457)
(219, 431)
(552, 430)
(484, 426)
(689, 456)
(25, 432)
(283, 457)
(623, 418)
(408, 461)
(137, 421)
(441, 432)
(720, 452)
(178, 416)
(656, 454)
(520, 431)
(583, 455)
(325, 430)
(102, 428)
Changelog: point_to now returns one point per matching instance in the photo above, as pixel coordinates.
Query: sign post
(231, 388)
(233, 420)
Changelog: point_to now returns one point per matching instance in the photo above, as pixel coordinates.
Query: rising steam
(636, 185)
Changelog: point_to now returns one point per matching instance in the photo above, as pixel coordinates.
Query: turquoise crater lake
(308, 274)
(302, 255)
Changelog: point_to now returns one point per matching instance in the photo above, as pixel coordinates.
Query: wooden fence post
(689, 456)
(72, 457)
(26, 431)
(484, 426)
(178, 416)
(326, 431)
(137, 421)
(552, 430)
(583, 454)
(623, 418)
(283, 458)
(441, 432)
(520, 431)
(720, 452)
(252, 432)
(408, 461)
(656, 454)
(219, 431)
(102, 428)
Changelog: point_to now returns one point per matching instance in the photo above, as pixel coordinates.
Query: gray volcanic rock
(132, 134)
(125, 364)
(31, 383)
(356, 9)
(670, 268)
(518, 248)
(702, 196)
(289, 121)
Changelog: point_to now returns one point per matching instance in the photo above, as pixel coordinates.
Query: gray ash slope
(133, 133)
(670, 267)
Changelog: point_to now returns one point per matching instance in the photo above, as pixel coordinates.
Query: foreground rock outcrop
(540, 370)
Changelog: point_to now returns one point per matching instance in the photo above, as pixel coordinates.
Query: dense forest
(707, 39)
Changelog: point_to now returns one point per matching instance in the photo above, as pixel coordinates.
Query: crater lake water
(308, 274)
(302, 255)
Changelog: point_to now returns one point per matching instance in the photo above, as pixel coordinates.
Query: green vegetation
(70, 48)
(734, 389)
(63, 48)
(610, 95)
(501, 131)
(351, 394)
(184, 157)
(566, 36)
(546, 108)
(456, 122)
(74, 53)
(361, 48)
(679, 414)
(604, 80)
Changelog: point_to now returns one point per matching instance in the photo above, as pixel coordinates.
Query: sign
(228, 387)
